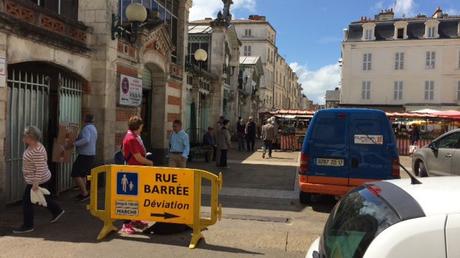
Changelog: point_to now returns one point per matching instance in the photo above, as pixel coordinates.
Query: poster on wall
(130, 91)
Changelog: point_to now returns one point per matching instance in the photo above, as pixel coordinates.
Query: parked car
(394, 219)
(344, 148)
(439, 158)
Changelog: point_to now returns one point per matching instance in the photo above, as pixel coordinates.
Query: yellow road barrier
(169, 195)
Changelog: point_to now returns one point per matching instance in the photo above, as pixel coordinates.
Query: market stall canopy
(293, 113)
(410, 115)
(453, 114)
(426, 111)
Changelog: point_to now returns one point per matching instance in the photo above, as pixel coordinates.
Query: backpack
(119, 158)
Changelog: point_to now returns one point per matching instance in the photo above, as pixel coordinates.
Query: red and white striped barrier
(290, 143)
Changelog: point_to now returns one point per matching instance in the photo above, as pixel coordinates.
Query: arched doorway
(153, 110)
(44, 95)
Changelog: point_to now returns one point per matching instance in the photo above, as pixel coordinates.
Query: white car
(397, 218)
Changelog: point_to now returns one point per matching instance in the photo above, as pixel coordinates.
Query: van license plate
(330, 162)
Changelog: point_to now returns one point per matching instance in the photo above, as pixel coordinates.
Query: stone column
(102, 99)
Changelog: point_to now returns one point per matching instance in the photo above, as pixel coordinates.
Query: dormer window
(400, 30)
(368, 31)
(431, 29)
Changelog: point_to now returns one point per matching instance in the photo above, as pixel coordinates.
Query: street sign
(165, 195)
(157, 194)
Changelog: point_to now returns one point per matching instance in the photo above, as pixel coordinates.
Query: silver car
(439, 158)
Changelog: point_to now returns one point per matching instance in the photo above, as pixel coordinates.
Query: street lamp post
(200, 56)
(138, 17)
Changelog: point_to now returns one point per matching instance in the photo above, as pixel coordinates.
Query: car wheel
(304, 198)
(420, 169)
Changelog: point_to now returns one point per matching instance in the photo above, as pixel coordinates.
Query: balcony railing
(47, 25)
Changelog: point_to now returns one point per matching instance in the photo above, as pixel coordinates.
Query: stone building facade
(58, 61)
(258, 38)
(212, 89)
(279, 87)
(402, 64)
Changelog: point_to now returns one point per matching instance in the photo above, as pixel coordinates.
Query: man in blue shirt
(86, 149)
(179, 146)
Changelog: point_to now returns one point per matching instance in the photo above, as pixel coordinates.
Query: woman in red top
(134, 153)
(133, 147)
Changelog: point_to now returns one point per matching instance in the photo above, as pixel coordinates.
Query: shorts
(82, 166)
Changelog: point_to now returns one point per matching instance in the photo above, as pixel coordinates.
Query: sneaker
(57, 217)
(82, 198)
(23, 229)
(127, 229)
(263, 155)
(139, 224)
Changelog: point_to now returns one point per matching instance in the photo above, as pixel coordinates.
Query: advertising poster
(130, 91)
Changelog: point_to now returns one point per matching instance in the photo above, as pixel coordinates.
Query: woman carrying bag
(36, 173)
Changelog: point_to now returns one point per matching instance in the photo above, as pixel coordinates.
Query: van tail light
(395, 169)
(304, 164)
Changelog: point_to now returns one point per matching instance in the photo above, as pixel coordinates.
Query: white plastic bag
(38, 197)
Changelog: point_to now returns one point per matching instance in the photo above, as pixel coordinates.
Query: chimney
(438, 13)
(345, 34)
(254, 17)
(385, 15)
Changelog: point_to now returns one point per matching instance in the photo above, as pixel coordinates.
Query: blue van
(344, 148)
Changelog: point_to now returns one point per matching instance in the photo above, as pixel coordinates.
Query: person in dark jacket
(240, 133)
(251, 131)
(209, 142)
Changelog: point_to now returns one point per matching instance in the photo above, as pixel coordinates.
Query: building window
(458, 90)
(458, 57)
(400, 33)
(66, 8)
(169, 13)
(431, 32)
(248, 33)
(429, 90)
(368, 34)
(367, 62)
(430, 60)
(399, 61)
(398, 90)
(366, 90)
(247, 51)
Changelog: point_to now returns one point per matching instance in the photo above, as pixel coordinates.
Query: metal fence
(28, 96)
(70, 92)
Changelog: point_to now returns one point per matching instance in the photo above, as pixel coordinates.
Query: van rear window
(366, 126)
(329, 131)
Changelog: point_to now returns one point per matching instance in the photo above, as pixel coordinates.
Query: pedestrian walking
(268, 136)
(209, 143)
(36, 173)
(414, 135)
(86, 149)
(179, 146)
(240, 133)
(250, 132)
(135, 154)
(224, 144)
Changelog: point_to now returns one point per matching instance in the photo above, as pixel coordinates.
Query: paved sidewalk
(261, 217)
